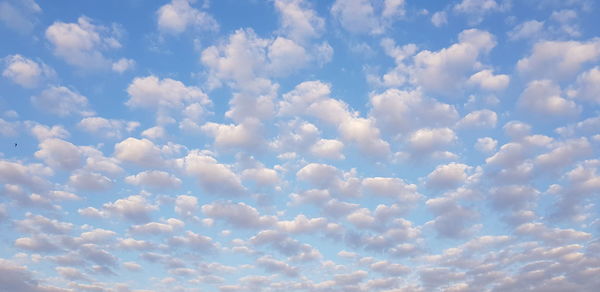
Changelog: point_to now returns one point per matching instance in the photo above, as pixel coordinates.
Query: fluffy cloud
(81, 43)
(479, 119)
(485, 79)
(587, 86)
(26, 72)
(558, 60)
(60, 154)
(178, 15)
(109, 128)
(543, 97)
(298, 20)
(134, 208)
(139, 151)
(357, 16)
(20, 15)
(238, 215)
(214, 177)
(154, 93)
(443, 72)
(448, 176)
(61, 101)
(154, 179)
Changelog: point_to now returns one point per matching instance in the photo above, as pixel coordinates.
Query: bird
(15, 144)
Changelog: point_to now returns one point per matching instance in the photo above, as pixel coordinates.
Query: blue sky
(295, 145)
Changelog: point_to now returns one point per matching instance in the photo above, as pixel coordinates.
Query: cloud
(486, 80)
(60, 154)
(213, 176)
(587, 88)
(357, 16)
(238, 215)
(154, 179)
(543, 97)
(479, 119)
(134, 208)
(558, 60)
(107, 128)
(81, 43)
(443, 72)
(139, 151)
(19, 278)
(476, 9)
(26, 72)
(61, 101)
(178, 15)
(298, 20)
(527, 30)
(20, 16)
(123, 65)
(448, 176)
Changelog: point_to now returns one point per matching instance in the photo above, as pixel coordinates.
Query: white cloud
(246, 135)
(543, 97)
(261, 176)
(139, 151)
(328, 148)
(439, 18)
(394, 188)
(428, 140)
(476, 9)
(356, 16)
(155, 133)
(178, 15)
(558, 60)
(443, 72)
(90, 181)
(61, 101)
(527, 30)
(134, 208)
(298, 20)
(60, 154)
(108, 128)
(486, 145)
(400, 112)
(238, 215)
(448, 176)
(154, 179)
(81, 44)
(26, 72)
(587, 87)
(123, 65)
(213, 176)
(186, 206)
(20, 15)
(154, 93)
(486, 80)
(479, 119)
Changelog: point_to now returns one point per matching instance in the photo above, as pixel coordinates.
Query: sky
(296, 145)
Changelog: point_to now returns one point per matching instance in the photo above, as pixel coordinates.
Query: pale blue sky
(295, 145)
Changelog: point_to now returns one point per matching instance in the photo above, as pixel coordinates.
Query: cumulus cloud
(134, 208)
(298, 20)
(213, 176)
(82, 43)
(154, 179)
(139, 151)
(443, 72)
(178, 15)
(545, 98)
(61, 101)
(238, 215)
(558, 60)
(20, 16)
(26, 72)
